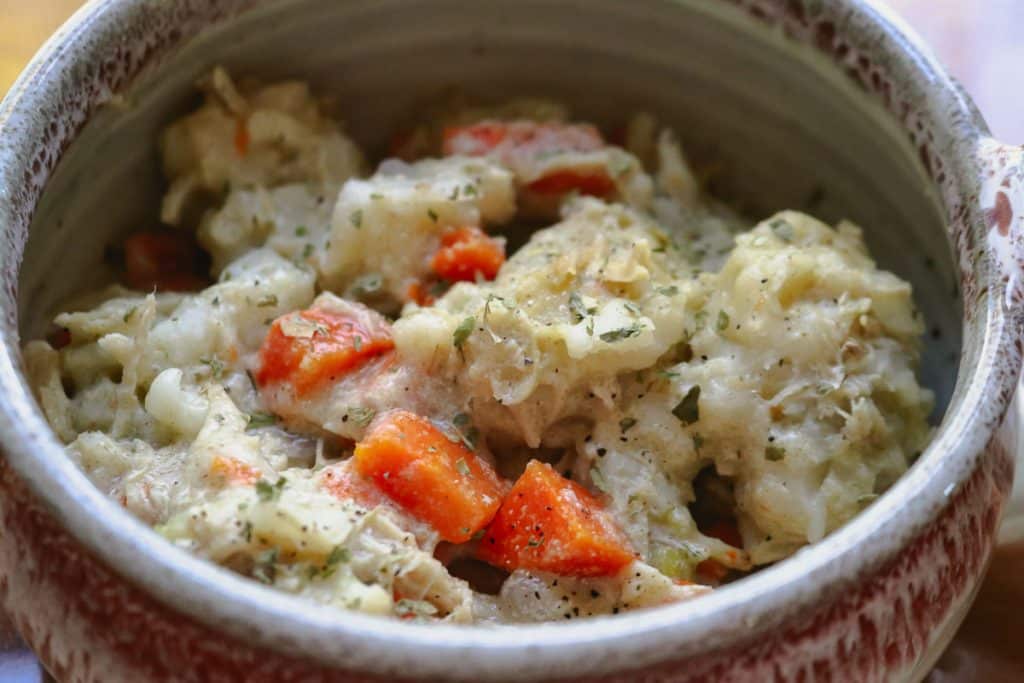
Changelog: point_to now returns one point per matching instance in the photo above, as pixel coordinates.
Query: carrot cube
(520, 138)
(430, 476)
(467, 252)
(526, 147)
(232, 470)
(548, 523)
(344, 483)
(163, 260)
(314, 347)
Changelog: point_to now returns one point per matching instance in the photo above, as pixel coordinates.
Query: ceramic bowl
(833, 107)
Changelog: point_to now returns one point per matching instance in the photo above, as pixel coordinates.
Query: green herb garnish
(265, 570)
(367, 284)
(361, 416)
(462, 332)
(577, 307)
(621, 333)
(782, 229)
(257, 420)
(339, 555)
(267, 491)
(688, 410)
(216, 366)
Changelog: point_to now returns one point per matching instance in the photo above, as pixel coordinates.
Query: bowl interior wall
(778, 126)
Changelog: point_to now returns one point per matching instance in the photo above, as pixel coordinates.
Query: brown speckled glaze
(102, 598)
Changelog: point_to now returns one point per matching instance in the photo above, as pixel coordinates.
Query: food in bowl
(378, 405)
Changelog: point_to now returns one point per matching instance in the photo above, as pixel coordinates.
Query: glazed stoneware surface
(832, 107)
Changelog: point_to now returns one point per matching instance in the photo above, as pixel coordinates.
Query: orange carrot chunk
(343, 482)
(594, 184)
(314, 347)
(420, 294)
(466, 253)
(232, 470)
(548, 523)
(164, 260)
(523, 138)
(526, 145)
(242, 137)
(726, 530)
(430, 476)
(712, 571)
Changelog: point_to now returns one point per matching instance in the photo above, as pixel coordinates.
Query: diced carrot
(429, 475)
(242, 137)
(406, 145)
(520, 138)
(162, 259)
(474, 140)
(523, 145)
(313, 347)
(597, 184)
(342, 481)
(727, 531)
(59, 338)
(549, 523)
(418, 293)
(233, 470)
(712, 570)
(466, 252)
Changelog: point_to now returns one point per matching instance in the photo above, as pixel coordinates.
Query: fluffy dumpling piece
(348, 372)
(293, 220)
(533, 597)
(643, 456)
(801, 380)
(551, 160)
(388, 226)
(120, 347)
(583, 301)
(291, 531)
(252, 136)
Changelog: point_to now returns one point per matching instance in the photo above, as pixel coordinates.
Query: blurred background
(982, 44)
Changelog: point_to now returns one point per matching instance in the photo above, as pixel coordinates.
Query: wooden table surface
(982, 43)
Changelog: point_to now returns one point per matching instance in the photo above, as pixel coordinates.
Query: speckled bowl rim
(353, 641)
